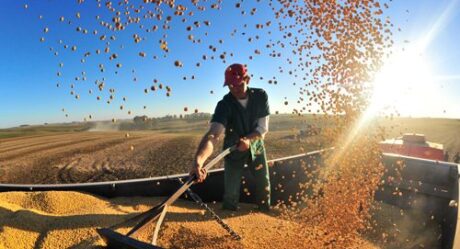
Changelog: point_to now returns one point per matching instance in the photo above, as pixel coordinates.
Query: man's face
(240, 91)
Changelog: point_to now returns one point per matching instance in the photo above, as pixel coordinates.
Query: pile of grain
(69, 219)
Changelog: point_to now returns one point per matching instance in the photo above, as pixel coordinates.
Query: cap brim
(233, 84)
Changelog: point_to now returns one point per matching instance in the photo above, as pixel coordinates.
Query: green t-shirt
(239, 121)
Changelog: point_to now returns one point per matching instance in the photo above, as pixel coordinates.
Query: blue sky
(28, 71)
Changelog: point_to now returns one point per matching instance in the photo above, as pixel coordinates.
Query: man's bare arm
(205, 149)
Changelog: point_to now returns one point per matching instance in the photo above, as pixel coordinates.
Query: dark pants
(232, 181)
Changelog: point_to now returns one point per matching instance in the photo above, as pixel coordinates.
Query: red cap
(235, 74)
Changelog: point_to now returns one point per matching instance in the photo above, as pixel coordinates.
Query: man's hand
(243, 145)
(199, 172)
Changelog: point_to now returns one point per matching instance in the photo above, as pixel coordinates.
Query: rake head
(120, 241)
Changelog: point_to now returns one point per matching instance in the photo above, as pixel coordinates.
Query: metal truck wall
(427, 185)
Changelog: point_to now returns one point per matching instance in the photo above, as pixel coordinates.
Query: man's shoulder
(227, 98)
(225, 102)
(259, 92)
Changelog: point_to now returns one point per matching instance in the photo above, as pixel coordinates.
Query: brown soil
(105, 156)
(94, 156)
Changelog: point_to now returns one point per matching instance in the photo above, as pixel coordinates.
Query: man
(457, 157)
(242, 115)
(446, 156)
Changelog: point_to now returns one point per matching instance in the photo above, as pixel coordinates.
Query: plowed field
(94, 156)
(104, 156)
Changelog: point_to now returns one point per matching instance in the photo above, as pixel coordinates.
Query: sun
(403, 85)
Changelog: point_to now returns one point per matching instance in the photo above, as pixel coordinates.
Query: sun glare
(404, 84)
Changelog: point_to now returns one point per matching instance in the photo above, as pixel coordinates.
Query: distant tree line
(146, 123)
(139, 123)
(197, 116)
(193, 116)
